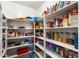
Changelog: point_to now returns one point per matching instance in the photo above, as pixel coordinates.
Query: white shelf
(21, 29)
(53, 54)
(39, 28)
(38, 54)
(42, 38)
(20, 37)
(42, 48)
(65, 45)
(18, 46)
(3, 33)
(19, 55)
(4, 51)
(63, 27)
(21, 20)
(61, 10)
(4, 27)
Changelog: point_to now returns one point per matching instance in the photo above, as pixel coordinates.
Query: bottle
(56, 23)
(70, 39)
(65, 20)
(60, 36)
(65, 37)
(74, 17)
(76, 40)
(56, 36)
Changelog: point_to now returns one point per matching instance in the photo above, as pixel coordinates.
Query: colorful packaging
(74, 17)
(65, 38)
(65, 20)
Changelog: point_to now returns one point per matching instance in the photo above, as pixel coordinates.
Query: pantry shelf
(68, 46)
(63, 27)
(42, 48)
(39, 54)
(18, 46)
(20, 37)
(20, 20)
(53, 54)
(39, 28)
(42, 38)
(21, 29)
(61, 10)
(19, 55)
(4, 52)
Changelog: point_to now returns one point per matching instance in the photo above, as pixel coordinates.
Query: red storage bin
(22, 50)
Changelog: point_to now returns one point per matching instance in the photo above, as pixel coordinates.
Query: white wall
(13, 10)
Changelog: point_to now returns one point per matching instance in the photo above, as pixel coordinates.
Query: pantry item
(55, 7)
(74, 17)
(49, 24)
(45, 13)
(56, 22)
(52, 9)
(60, 22)
(66, 2)
(49, 35)
(75, 54)
(75, 40)
(66, 53)
(70, 54)
(70, 39)
(56, 36)
(57, 49)
(33, 26)
(22, 19)
(60, 37)
(40, 24)
(21, 27)
(69, 20)
(65, 37)
(22, 50)
(53, 47)
(22, 42)
(60, 4)
(65, 20)
(61, 51)
(17, 34)
(52, 36)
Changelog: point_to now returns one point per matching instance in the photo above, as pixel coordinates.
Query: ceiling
(32, 4)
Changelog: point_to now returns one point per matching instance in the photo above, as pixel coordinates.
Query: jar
(49, 24)
(56, 36)
(70, 54)
(60, 37)
(75, 55)
(57, 49)
(56, 22)
(66, 53)
(61, 51)
(70, 39)
(75, 40)
(74, 17)
(40, 25)
(52, 36)
(64, 37)
(65, 20)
